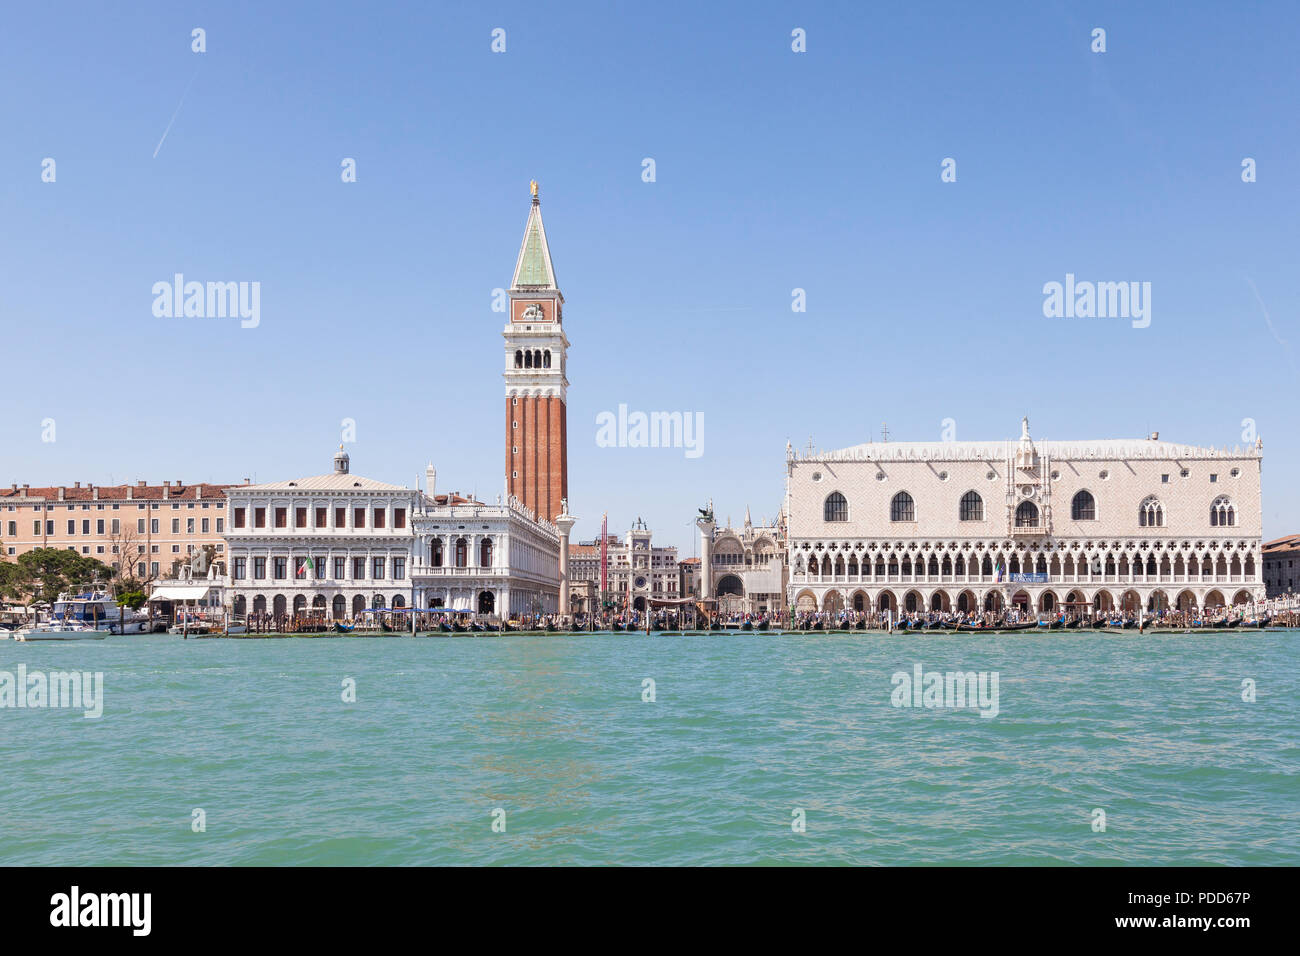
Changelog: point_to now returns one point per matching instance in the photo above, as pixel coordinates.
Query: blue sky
(775, 171)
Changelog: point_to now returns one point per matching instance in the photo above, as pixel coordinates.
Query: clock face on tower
(640, 582)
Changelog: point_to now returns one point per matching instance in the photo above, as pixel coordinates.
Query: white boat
(55, 631)
(98, 611)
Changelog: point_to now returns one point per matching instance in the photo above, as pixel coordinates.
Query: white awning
(180, 592)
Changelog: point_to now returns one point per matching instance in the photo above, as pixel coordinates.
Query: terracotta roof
(139, 492)
(455, 500)
(1288, 543)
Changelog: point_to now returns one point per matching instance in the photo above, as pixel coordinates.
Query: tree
(44, 572)
(12, 583)
(128, 551)
(132, 599)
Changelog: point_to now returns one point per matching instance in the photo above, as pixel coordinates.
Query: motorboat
(97, 609)
(57, 631)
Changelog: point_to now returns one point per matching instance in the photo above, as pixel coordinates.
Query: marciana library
(1128, 524)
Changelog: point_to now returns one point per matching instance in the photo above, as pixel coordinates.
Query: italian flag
(305, 566)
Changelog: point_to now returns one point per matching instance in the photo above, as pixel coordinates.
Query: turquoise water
(745, 728)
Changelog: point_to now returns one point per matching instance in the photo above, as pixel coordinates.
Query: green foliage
(132, 599)
(44, 572)
(12, 584)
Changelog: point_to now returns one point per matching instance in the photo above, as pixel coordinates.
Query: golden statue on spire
(533, 186)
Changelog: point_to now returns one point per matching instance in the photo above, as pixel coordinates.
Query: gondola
(385, 626)
(763, 625)
(747, 626)
(1026, 626)
(861, 625)
(343, 628)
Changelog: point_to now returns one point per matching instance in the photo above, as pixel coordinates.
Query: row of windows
(461, 553)
(1083, 507)
(280, 517)
(533, 359)
(305, 568)
(140, 507)
(115, 526)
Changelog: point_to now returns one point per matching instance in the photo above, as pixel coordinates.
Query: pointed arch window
(836, 507)
(902, 507)
(1222, 513)
(972, 507)
(1027, 515)
(1083, 507)
(1151, 514)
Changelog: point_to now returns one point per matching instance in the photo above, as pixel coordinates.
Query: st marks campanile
(537, 459)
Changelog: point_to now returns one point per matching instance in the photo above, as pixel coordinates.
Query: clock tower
(537, 460)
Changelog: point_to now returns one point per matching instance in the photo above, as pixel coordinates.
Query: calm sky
(774, 171)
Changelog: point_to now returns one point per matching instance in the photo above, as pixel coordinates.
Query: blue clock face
(640, 582)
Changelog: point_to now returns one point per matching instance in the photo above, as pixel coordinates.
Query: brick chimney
(167, 487)
(60, 492)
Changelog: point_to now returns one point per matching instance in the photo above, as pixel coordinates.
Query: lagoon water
(744, 730)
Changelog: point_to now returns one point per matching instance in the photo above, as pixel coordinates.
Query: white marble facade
(982, 525)
(337, 544)
(328, 545)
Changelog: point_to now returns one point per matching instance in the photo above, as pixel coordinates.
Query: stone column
(564, 522)
(706, 526)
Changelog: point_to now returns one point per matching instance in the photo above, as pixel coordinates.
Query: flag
(997, 573)
(306, 563)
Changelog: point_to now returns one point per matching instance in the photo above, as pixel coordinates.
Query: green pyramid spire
(533, 270)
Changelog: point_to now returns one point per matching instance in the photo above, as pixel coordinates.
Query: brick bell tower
(537, 457)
